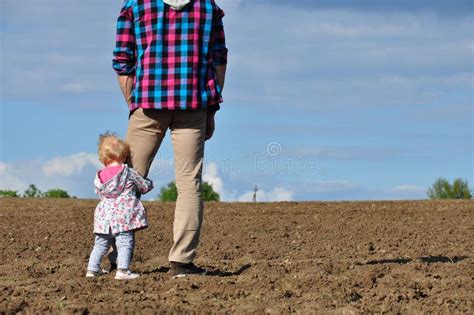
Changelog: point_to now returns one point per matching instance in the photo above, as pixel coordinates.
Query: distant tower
(255, 189)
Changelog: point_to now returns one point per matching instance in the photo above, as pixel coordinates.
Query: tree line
(441, 189)
(167, 193)
(33, 192)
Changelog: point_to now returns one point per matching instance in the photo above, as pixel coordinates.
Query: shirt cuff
(123, 68)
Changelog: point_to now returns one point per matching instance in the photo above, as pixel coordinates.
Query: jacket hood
(177, 4)
(115, 186)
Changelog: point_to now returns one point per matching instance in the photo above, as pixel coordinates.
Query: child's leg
(125, 242)
(101, 246)
(112, 255)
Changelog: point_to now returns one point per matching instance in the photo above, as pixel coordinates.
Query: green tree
(442, 189)
(8, 193)
(56, 193)
(32, 192)
(170, 192)
(208, 193)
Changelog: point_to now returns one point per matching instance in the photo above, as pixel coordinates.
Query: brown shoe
(180, 270)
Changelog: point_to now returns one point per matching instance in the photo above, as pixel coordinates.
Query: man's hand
(210, 125)
(126, 86)
(220, 75)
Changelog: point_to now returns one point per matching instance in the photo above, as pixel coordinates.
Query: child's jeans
(124, 241)
(112, 254)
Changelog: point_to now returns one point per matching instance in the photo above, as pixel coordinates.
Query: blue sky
(324, 100)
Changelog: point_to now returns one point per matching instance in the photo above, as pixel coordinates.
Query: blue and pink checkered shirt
(171, 53)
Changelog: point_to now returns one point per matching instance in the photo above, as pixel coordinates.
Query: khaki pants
(146, 130)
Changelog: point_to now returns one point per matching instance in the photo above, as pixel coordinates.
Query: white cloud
(294, 59)
(70, 165)
(277, 194)
(343, 55)
(47, 64)
(74, 173)
(9, 180)
(338, 57)
(211, 175)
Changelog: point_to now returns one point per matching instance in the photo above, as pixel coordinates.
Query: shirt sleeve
(219, 49)
(143, 185)
(124, 53)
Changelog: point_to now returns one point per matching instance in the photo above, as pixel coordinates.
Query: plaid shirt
(171, 53)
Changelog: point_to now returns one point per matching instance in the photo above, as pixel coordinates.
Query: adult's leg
(188, 130)
(146, 130)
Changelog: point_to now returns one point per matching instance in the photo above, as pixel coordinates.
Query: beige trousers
(146, 130)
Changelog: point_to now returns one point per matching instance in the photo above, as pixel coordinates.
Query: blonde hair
(112, 149)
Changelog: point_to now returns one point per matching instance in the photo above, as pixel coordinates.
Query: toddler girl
(119, 213)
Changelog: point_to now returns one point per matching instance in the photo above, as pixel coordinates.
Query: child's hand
(143, 185)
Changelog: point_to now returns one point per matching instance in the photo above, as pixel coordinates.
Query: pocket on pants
(133, 112)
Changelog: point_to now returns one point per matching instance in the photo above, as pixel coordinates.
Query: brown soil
(307, 257)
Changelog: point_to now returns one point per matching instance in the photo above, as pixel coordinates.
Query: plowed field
(305, 257)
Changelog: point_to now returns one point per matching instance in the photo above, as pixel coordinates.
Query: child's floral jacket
(119, 208)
